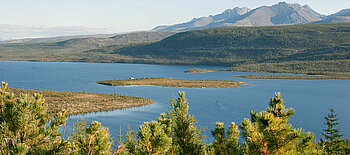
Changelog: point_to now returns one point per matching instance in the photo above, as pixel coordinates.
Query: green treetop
(269, 132)
(332, 142)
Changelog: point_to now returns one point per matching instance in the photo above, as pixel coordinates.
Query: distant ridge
(117, 39)
(279, 14)
(342, 16)
(52, 39)
(95, 41)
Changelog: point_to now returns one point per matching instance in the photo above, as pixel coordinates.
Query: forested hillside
(306, 45)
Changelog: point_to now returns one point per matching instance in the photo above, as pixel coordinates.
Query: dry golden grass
(75, 103)
(168, 82)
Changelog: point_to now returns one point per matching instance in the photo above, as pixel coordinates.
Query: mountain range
(279, 14)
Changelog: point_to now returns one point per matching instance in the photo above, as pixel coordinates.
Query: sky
(131, 15)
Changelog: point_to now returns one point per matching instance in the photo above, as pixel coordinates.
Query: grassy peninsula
(82, 102)
(169, 82)
(198, 70)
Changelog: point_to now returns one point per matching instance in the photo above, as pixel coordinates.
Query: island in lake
(83, 102)
(198, 70)
(169, 82)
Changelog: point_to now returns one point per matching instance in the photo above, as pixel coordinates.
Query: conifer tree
(269, 132)
(332, 135)
(186, 135)
(153, 139)
(226, 144)
(94, 139)
(175, 133)
(346, 145)
(128, 146)
(26, 127)
(218, 133)
(232, 144)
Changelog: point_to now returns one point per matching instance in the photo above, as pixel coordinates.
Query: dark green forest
(305, 49)
(27, 128)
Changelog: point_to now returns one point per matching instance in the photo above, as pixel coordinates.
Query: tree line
(26, 128)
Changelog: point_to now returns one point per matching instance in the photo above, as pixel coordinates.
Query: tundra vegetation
(169, 82)
(27, 128)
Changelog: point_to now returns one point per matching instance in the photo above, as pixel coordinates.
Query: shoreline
(169, 82)
(293, 77)
(298, 76)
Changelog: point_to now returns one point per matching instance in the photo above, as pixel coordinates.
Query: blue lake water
(311, 99)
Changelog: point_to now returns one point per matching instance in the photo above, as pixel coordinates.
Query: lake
(311, 99)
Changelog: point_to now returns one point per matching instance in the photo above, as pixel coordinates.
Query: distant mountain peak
(278, 14)
(198, 23)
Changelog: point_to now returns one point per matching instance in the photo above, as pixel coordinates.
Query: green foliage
(175, 133)
(128, 146)
(332, 141)
(346, 145)
(226, 144)
(27, 128)
(23, 126)
(269, 132)
(186, 134)
(153, 139)
(93, 139)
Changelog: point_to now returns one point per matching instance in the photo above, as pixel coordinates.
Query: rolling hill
(71, 49)
(318, 47)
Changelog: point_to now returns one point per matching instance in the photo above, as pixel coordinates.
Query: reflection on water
(310, 98)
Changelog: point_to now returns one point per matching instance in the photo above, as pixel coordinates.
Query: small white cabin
(131, 78)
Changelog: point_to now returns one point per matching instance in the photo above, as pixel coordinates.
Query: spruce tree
(332, 142)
